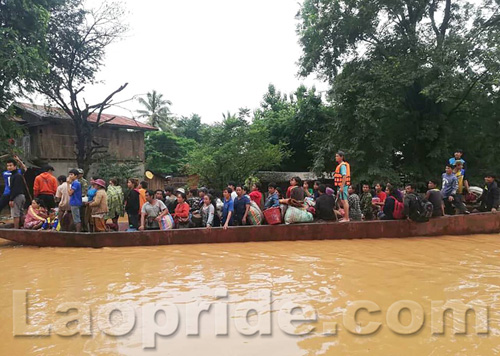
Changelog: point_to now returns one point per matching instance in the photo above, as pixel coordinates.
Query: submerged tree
(156, 111)
(77, 40)
(411, 82)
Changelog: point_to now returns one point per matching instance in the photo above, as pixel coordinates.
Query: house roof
(47, 112)
(272, 176)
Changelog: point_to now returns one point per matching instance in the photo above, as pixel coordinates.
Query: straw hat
(181, 190)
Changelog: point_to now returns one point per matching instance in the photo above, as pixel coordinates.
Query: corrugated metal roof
(45, 112)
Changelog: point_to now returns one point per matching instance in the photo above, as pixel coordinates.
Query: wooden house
(50, 137)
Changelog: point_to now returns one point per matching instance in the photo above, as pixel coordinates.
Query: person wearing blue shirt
(241, 206)
(273, 199)
(75, 198)
(449, 191)
(227, 209)
(6, 175)
(458, 157)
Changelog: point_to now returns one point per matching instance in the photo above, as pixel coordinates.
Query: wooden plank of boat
(486, 223)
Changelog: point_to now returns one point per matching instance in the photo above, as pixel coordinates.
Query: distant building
(282, 179)
(50, 137)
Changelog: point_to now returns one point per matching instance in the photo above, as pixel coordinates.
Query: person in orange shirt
(143, 187)
(45, 187)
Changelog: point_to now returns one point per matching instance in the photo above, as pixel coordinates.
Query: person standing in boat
(255, 195)
(85, 188)
(132, 203)
(463, 184)
(7, 177)
(143, 186)
(365, 203)
(436, 198)
(62, 201)
(170, 199)
(45, 187)
(490, 199)
(458, 157)
(342, 178)
(75, 198)
(232, 185)
(227, 209)
(354, 204)
(181, 214)
(241, 207)
(152, 212)
(99, 206)
(449, 192)
(207, 212)
(115, 202)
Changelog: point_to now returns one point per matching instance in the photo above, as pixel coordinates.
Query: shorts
(343, 194)
(75, 211)
(17, 210)
(48, 200)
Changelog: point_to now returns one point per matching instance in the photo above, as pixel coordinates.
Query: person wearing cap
(83, 182)
(75, 198)
(99, 206)
(45, 187)
(490, 199)
(83, 209)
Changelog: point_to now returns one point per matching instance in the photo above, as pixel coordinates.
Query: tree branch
(452, 111)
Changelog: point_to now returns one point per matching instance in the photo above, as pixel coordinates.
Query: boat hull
(450, 225)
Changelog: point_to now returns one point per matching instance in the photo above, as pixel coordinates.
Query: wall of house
(57, 142)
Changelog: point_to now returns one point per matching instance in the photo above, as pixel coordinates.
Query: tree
(411, 82)
(156, 111)
(77, 41)
(189, 127)
(233, 150)
(23, 53)
(167, 153)
(293, 120)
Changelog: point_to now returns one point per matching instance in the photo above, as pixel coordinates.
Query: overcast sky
(207, 57)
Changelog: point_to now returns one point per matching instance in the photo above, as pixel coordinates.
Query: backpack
(423, 209)
(399, 208)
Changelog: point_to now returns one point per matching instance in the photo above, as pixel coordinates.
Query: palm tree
(157, 111)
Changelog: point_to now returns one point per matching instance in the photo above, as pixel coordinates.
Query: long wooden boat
(486, 223)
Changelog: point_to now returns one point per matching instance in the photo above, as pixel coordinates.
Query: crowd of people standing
(71, 203)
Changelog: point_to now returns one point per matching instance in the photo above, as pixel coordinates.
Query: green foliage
(109, 168)
(294, 121)
(233, 150)
(167, 153)
(156, 110)
(189, 127)
(23, 51)
(411, 82)
(23, 54)
(77, 41)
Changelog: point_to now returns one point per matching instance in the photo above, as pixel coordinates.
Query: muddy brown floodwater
(324, 277)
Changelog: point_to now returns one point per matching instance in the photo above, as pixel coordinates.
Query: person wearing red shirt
(256, 195)
(181, 213)
(45, 187)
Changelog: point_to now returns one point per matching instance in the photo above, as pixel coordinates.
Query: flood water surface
(253, 288)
